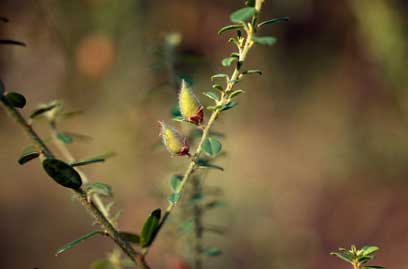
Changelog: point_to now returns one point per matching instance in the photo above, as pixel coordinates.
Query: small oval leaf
(243, 14)
(272, 21)
(264, 40)
(229, 28)
(16, 99)
(76, 242)
(62, 173)
(211, 147)
(28, 154)
(149, 228)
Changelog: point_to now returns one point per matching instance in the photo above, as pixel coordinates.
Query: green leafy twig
(80, 194)
(246, 19)
(358, 257)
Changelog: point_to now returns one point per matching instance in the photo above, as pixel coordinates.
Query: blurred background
(317, 149)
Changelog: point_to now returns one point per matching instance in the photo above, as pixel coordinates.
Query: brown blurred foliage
(317, 148)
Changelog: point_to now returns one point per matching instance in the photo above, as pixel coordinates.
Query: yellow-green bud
(175, 142)
(190, 107)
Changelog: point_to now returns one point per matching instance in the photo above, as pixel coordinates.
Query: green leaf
(175, 112)
(149, 228)
(218, 87)
(131, 237)
(250, 72)
(16, 99)
(229, 106)
(99, 188)
(212, 96)
(11, 42)
(272, 21)
(264, 40)
(212, 252)
(87, 161)
(76, 242)
(219, 76)
(62, 173)
(342, 255)
(368, 250)
(243, 14)
(42, 109)
(94, 159)
(102, 264)
(174, 198)
(28, 154)
(206, 165)
(175, 182)
(228, 61)
(229, 28)
(211, 147)
(372, 267)
(64, 138)
(236, 93)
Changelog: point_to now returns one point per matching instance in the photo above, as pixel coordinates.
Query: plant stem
(80, 194)
(198, 224)
(70, 159)
(243, 52)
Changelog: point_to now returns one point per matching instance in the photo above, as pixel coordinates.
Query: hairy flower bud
(190, 107)
(175, 142)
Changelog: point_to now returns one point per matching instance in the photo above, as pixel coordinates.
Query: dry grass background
(317, 148)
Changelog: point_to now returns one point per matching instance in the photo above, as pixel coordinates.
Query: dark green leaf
(11, 42)
(206, 165)
(243, 14)
(264, 40)
(28, 154)
(131, 237)
(368, 250)
(99, 188)
(76, 242)
(373, 267)
(62, 173)
(218, 87)
(236, 93)
(175, 182)
(219, 76)
(342, 255)
(87, 161)
(212, 252)
(16, 99)
(228, 61)
(64, 138)
(42, 109)
(229, 106)
(212, 95)
(149, 228)
(276, 20)
(229, 28)
(174, 198)
(211, 147)
(250, 72)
